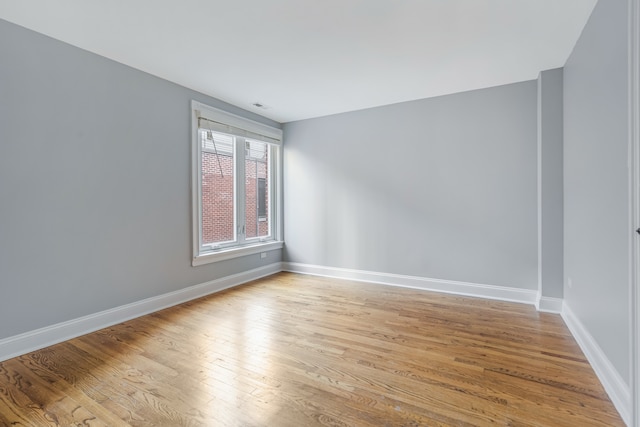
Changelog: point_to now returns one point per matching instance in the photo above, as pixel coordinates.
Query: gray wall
(95, 200)
(550, 183)
(441, 188)
(596, 232)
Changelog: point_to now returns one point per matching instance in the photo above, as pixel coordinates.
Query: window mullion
(240, 189)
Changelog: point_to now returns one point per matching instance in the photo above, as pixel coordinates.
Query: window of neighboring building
(262, 199)
(236, 181)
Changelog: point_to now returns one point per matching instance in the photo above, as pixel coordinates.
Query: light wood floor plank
(294, 350)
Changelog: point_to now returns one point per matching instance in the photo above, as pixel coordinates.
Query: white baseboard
(549, 304)
(502, 293)
(40, 338)
(615, 386)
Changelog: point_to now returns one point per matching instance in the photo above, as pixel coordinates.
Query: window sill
(225, 254)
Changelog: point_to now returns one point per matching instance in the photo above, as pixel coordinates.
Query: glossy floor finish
(293, 350)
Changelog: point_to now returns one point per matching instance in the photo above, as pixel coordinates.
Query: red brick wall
(217, 198)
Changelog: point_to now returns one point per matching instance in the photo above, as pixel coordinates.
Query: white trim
(240, 246)
(196, 200)
(539, 183)
(634, 203)
(235, 252)
(278, 210)
(526, 296)
(615, 386)
(549, 304)
(40, 338)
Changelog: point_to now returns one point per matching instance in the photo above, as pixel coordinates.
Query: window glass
(256, 198)
(217, 188)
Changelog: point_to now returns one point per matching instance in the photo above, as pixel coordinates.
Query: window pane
(257, 219)
(218, 213)
(262, 198)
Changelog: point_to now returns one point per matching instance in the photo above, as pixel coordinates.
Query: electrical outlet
(569, 282)
(263, 255)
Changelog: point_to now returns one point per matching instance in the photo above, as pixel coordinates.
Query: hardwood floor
(293, 350)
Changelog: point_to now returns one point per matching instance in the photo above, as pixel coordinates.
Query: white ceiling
(310, 58)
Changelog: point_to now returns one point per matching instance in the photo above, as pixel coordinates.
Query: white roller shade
(221, 121)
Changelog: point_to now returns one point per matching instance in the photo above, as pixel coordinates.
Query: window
(235, 185)
(262, 199)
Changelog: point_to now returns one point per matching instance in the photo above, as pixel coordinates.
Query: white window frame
(243, 128)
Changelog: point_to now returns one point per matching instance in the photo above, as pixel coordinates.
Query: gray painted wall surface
(441, 188)
(550, 131)
(95, 200)
(595, 169)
